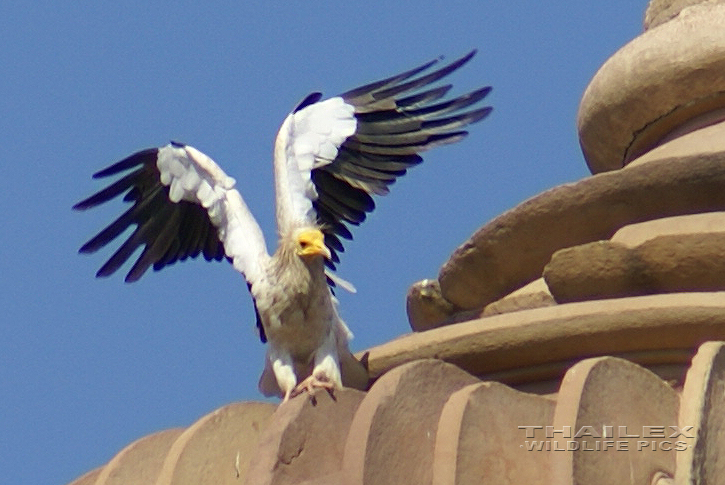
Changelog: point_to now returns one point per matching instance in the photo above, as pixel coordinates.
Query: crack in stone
(709, 104)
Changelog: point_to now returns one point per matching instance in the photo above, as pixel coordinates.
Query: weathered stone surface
(305, 439)
(662, 478)
(426, 307)
(665, 264)
(703, 408)
(660, 11)
(636, 234)
(652, 85)
(479, 439)
(141, 461)
(686, 262)
(392, 436)
(88, 478)
(535, 345)
(512, 250)
(217, 448)
(700, 136)
(534, 295)
(612, 392)
(334, 479)
(610, 270)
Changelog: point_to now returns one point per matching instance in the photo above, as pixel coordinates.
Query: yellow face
(311, 242)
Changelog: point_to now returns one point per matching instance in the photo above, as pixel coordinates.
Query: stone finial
(661, 11)
(668, 77)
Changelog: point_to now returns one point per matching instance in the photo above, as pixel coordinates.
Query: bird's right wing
(183, 205)
(332, 156)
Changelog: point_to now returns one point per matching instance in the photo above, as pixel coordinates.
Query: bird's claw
(310, 384)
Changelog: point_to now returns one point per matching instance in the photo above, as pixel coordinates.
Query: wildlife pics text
(607, 437)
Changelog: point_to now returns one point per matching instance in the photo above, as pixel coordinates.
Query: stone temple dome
(577, 338)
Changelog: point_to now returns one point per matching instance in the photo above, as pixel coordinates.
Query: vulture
(330, 158)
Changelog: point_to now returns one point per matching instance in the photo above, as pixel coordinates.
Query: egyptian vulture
(330, 157)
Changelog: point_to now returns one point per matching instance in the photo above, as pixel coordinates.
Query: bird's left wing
(332, 156)
(183, 205)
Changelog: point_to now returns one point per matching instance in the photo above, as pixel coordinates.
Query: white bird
(329, 158)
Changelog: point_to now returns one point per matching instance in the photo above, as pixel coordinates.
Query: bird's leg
(325, 373)
(284, 372)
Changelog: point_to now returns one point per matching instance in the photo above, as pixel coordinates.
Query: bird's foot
(312, 383)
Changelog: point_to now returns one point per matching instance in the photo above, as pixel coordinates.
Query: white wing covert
(332, 156)
(308, 139)
(184, 205)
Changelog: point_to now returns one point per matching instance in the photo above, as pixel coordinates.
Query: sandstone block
(635, 234)
(608, 270)
(392, 436)
(534, 295)
(700, 136)
(539, 344)
(305, 439)
(637, 409)
(141, 461)
(703, 403)
(479, 438)
(665, 264)
(512, 250)
(217, 448)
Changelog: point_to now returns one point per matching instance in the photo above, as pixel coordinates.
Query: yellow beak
(311, 242)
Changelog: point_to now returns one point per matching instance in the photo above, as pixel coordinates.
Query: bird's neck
(291, 267)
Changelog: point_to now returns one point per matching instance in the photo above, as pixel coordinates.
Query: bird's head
(311, 243)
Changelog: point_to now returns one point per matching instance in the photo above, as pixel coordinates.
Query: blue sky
(86, 365)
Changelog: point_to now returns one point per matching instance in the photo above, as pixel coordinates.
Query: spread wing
(184, 205)
(332, 156)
